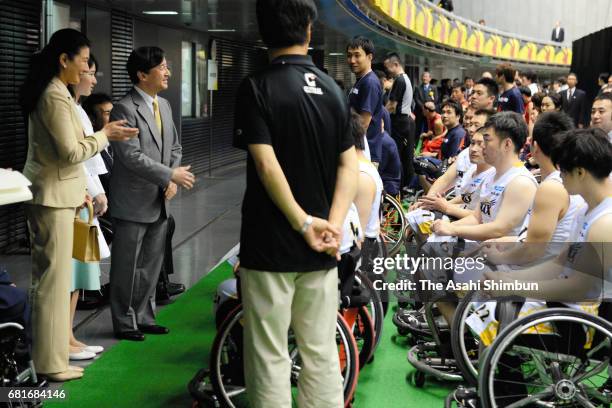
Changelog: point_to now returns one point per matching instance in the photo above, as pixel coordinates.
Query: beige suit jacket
(57, 147)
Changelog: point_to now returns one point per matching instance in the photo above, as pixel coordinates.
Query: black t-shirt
(401, 92)
(301, 112)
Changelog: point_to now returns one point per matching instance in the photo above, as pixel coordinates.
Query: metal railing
(434, 24)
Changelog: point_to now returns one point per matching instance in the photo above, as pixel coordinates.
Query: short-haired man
(366, 95)
(302, 174)
(529, 79)
(526, 95)
(485, 92)
(452, 114)
(425, 92)
(454, 175)
(506, 198)
(400, 106)
(510, 98)
(468, 82)
(433, 138)
(574, 102)
(146, 174)
(458, 95)
(601, 114)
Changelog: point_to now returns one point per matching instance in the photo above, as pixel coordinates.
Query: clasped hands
(323, 236)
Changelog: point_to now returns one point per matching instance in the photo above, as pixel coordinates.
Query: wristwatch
(306, 224)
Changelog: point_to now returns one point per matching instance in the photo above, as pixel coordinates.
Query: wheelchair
(16, 366)
(554, 357)
(358, 329)
(393, 224)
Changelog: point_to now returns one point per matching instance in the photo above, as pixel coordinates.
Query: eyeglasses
(91, 74)
(163, 67)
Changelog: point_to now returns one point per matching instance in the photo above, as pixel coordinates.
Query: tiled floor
(207, 227)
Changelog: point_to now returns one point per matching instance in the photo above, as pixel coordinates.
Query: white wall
(536, 18)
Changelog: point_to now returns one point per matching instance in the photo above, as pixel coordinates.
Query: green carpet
(155, 373)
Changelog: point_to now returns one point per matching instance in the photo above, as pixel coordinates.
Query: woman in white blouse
(86, 276)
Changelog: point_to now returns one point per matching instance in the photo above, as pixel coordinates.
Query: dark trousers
(403, 132)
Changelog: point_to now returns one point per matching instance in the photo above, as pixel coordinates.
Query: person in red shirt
(433, 138)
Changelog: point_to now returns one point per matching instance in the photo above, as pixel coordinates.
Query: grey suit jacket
(143, 165)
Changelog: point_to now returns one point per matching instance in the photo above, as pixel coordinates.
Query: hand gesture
(117, 132)
(100, 203)
(183, 177)
(170, 191)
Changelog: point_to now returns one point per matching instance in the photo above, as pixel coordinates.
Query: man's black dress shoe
(175, 288)
(132, 335)
(153, 329)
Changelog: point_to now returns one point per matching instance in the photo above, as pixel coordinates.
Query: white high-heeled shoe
(94, 349)
(81, 355)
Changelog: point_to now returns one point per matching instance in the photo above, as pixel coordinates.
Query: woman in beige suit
(57, 147)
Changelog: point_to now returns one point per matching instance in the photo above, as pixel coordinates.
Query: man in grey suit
(145, 176)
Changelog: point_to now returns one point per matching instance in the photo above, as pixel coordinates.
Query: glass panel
(187, 79)
(201, 81)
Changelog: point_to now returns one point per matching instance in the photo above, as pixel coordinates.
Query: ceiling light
(222, 30)
(160, 13)
(336, 54)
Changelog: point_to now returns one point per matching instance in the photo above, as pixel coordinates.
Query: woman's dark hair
(556, 100)
(357, 130)
(90, 63)
(586, 148)
(283, 23)
(537, 99)
(44, 65)
(142, 60)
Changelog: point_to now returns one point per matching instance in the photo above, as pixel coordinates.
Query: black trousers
(403, 132)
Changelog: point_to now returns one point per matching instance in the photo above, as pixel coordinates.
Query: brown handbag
(85, 246)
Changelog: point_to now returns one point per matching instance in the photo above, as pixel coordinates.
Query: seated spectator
(390, 166)
(452, 114)
(458, 95)
(433, 138)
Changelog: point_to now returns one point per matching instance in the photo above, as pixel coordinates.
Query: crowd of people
(497, 135)
(311, 198)
(73, 168)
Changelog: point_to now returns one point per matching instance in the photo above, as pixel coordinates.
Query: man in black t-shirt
(301, 178)
(402, 124)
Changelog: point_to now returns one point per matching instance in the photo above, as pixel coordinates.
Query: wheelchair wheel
(555, 358)
(464, 342)
(361, 322)
(226, 361)
(376, 308)
(393, 224)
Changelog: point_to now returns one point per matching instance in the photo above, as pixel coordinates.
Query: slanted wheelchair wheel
(555, 357)
(226, 361)
(362, 325)
(393, 224)
(375, 308)
(464, 342)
